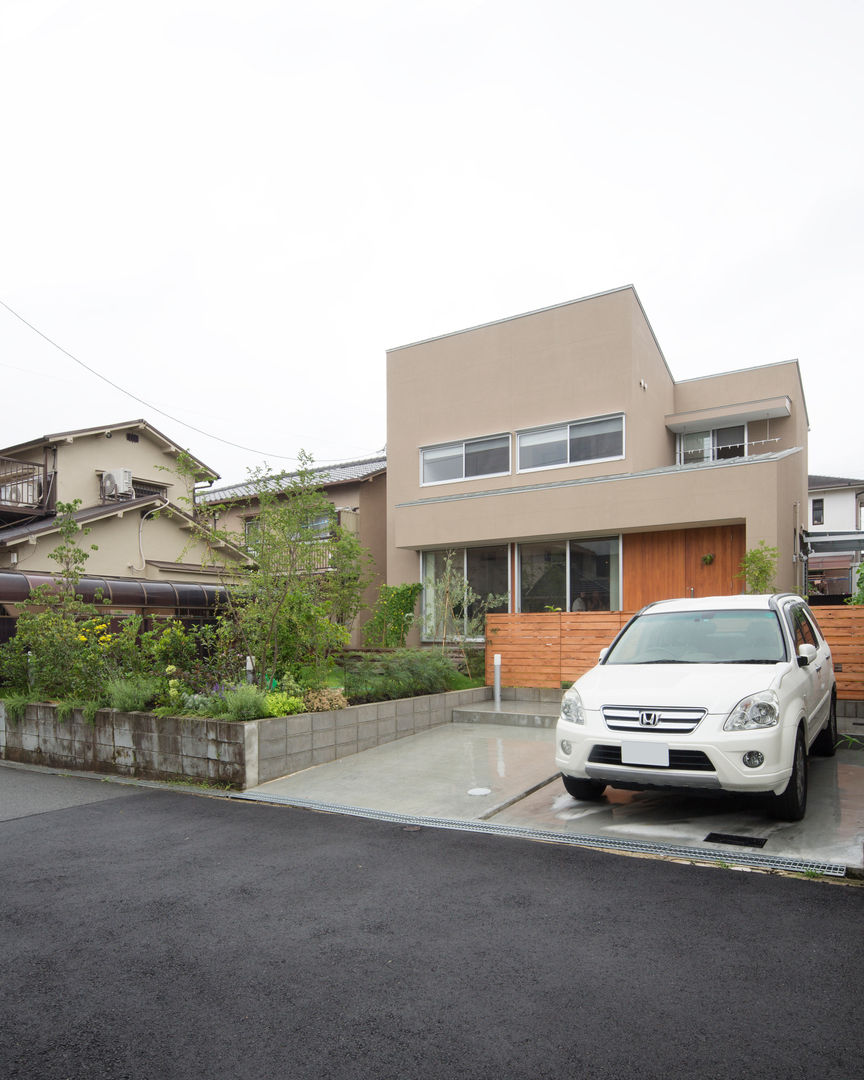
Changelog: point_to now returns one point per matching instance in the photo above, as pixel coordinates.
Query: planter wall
(240, 754)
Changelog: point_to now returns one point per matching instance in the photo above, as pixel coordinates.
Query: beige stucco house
(136, 503)
(556, 455)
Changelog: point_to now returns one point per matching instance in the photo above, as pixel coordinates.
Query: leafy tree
(70, 557)
(454, 612)
(759, 568)
(857, 597)
(292, 606)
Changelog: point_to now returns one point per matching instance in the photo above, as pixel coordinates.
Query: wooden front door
(681, 562)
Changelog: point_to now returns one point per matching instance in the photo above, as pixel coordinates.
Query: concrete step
(534, 714)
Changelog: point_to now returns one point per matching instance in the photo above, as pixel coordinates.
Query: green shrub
(134, 694)
(281, 704)
(392, 616)
(16, 705)
(324, 700)
(404, 673)
(245, 702)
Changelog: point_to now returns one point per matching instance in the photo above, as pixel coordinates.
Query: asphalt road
(155, 934)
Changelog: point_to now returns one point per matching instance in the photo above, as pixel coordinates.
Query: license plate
(645, 753)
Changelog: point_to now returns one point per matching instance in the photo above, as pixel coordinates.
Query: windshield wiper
(748, 661)
(668, 660)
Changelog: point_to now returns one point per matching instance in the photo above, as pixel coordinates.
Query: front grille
(647, 720)
(686, 760)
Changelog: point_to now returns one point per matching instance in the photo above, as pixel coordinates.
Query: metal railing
(23, 484)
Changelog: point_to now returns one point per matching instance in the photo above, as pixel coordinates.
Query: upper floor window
(818, 511)
(717, 445)
(572, 444)
(465, 460)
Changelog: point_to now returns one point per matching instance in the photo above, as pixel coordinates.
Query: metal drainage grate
(739, 841)
(609, 843)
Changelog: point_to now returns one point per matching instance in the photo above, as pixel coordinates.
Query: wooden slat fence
(548, 649)
(843, 628)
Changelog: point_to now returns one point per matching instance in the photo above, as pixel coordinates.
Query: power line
(141, 401)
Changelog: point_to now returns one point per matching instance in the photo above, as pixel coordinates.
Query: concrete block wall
(288, 744)
(531, 693)
(128, 744)
(240, 754)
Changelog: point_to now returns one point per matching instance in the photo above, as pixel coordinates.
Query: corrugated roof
(325, 475)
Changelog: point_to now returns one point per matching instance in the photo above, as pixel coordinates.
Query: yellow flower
(82, 637)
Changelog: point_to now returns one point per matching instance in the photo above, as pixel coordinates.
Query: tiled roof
(325, 475)
(817, 482)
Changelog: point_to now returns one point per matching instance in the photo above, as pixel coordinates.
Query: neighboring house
(835, 538)
(557, 457)
(358, 492)
(135, 503)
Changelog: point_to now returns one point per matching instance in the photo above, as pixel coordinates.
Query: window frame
(463, 444)
(567, 426)
(709, 438)
(615, 589)
(428, 553)
(817, 505)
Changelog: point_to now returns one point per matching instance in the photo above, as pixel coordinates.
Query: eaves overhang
(824, 543)
(729, 415)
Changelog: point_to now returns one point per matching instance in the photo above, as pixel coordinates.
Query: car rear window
(701, 637)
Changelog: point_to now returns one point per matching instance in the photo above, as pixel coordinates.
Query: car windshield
(700, 637)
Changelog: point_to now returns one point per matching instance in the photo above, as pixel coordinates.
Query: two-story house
(835, 539)
(145, 551)
(557, 457)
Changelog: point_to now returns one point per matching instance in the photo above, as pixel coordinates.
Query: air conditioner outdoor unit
(117, 484)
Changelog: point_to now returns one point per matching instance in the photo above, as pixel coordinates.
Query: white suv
(724, 692)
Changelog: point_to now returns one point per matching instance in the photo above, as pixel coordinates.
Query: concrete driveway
(497, 777)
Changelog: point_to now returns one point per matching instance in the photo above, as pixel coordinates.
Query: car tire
(792, 804)
(826, 741)
(587, 790)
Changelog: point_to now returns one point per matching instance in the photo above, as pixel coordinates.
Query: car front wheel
(589, 790)
(791, 805)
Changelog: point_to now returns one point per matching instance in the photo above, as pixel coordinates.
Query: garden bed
(239, 754)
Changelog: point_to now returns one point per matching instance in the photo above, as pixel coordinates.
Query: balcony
(25, 490)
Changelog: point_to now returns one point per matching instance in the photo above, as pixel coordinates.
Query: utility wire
(141, 401)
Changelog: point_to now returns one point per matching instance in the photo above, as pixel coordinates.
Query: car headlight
(572, 708)
(756, 711)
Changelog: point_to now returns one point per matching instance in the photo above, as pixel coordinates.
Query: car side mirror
(602, 655)
(806, 654)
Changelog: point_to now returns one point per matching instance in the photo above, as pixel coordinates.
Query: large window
(465, 460)
(486, 571)
(719, 444)
(570, 575)
(571, 444)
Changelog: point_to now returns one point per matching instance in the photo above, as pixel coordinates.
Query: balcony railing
(24, 488)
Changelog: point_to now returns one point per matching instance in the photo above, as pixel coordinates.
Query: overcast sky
(232, 210)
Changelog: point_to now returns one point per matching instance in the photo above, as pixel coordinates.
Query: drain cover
(738, 841)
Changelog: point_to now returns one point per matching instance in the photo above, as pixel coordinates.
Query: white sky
(233, 209)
